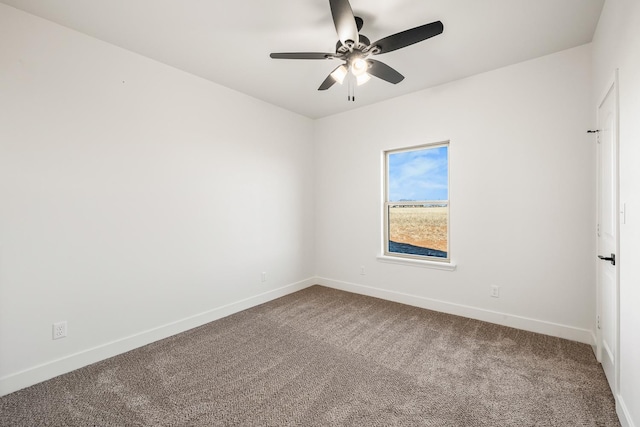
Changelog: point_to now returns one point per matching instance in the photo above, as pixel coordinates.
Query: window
(416, 208)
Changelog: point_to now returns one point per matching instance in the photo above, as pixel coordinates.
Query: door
(608, 234)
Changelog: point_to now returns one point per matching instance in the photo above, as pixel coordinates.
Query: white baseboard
(623, 413)
(513, 321)
(45, 371)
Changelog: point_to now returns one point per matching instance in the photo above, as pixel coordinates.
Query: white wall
(616, 44)
(521, 192)
(133, 196)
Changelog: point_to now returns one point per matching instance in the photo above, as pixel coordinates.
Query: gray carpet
(322, 357)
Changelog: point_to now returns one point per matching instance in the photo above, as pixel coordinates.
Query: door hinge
(598, 230)
(598, 322)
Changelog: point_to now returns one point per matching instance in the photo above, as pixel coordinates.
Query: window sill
(450, 266)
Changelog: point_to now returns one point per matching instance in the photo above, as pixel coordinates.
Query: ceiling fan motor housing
(362, 45)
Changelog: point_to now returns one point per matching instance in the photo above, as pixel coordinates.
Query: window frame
(412, 259)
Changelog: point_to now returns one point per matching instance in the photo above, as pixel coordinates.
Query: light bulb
(339, 74)
(363, 78)
(358, 66)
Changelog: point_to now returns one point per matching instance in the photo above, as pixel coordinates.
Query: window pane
(419, 229)
(421, 174)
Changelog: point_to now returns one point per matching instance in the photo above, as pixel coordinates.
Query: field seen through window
(418, 226)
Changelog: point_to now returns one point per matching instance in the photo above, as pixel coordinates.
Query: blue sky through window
(421, 174)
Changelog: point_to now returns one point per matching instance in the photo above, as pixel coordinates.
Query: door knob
(612, 258)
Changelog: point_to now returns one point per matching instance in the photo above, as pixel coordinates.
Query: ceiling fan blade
(409, 37)
(384, 72)
(302, 55)
(344, 20)
(328, 82)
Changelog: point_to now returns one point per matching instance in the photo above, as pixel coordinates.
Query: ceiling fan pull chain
(353, 94)
(353, 90)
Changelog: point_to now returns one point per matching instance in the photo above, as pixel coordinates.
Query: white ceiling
(228, 42)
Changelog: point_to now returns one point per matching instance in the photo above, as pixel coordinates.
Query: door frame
(611, 87)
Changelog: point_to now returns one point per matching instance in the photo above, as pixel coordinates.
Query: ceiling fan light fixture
(362, 78)
(339, 74)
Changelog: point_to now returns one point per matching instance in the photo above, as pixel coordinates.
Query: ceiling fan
(355, 49)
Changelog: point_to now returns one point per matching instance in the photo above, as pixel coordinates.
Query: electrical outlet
(495, 291)
(264, 276)
(362, 270)
(59, 330)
